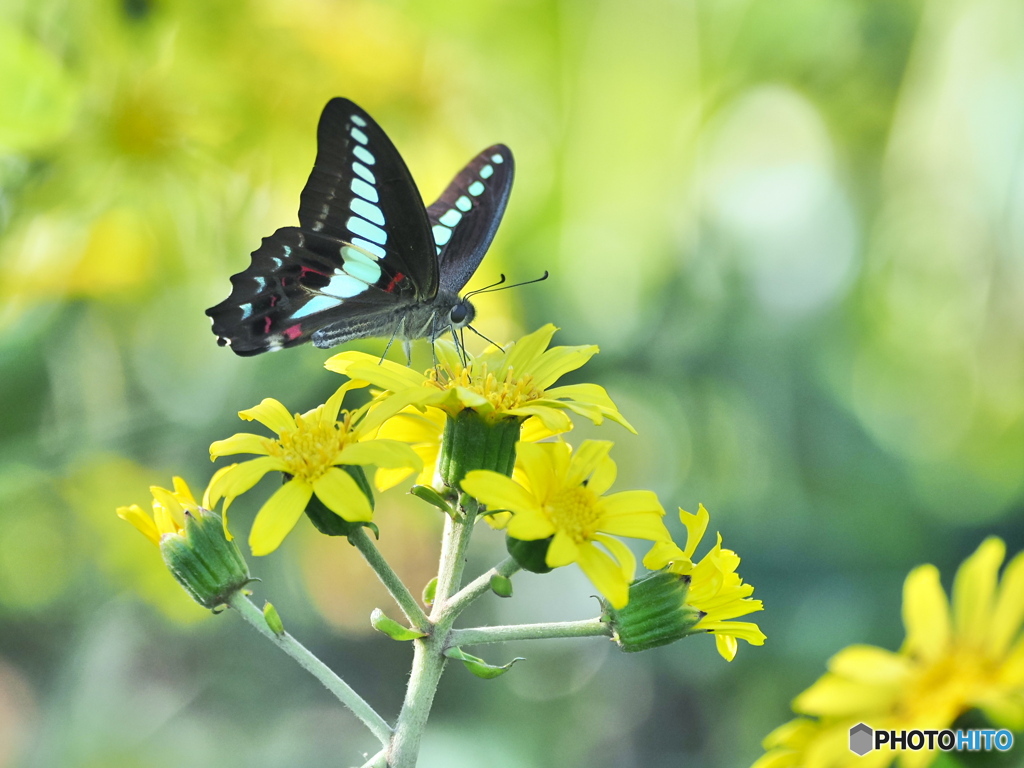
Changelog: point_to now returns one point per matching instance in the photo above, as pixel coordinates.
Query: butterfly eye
(458, 314)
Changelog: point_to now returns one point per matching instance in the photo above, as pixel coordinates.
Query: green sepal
(203, 561)
(434, 498)
(430, 591)
(472, 442)
(501, 585)
(657, 613)
(530, 555)
(273, 618)
(329, 522)
(478, 666)
(380, 621)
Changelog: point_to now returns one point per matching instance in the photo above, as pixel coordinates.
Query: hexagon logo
(861, 739)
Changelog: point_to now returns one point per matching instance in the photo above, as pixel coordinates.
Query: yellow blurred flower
(957, 656)
(716, 590)
(309, 449)
(512, 382)
(561, 496)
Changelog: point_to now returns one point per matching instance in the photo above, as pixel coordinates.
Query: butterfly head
(461, 314)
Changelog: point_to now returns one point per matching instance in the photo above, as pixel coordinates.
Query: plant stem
(458, 602)
(380, 760)
(481, 635)
(428, 657)
(412, 610)
(344, 693)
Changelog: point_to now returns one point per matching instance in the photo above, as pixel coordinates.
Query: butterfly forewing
(360, 191)
(467, 214)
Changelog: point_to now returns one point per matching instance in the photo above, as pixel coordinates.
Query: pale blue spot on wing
(441, 234)
(277, 262)
(367, 210)
(262, 281)
(373, 248)
(363, 189)
(363, 155)
(497, 159)
(344, 286)
(360, 266)
(476, 188)
(287, 250)
(487, 171)
(363, 228)
(363, 171)
(359, 136)
(463, 203)
(438, 249)
(358, 121)
(316, 304)
(246, 310)
(451, 218)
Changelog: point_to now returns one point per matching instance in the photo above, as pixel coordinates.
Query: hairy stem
(481, 635)
(412, 610)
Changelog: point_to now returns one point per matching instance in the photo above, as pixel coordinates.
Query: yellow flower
(309, 448)
(168, 516)
(497, 384)
(716, 590)
(956, 657)
(561, 496)
(423, 432)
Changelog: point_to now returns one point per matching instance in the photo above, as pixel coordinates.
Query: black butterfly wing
(467, 214)
(363, 248)
(301, 282)
(360, 191)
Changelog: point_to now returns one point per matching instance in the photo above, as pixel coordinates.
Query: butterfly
(367, 259)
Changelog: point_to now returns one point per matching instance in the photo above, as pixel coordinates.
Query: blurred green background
(795, 228)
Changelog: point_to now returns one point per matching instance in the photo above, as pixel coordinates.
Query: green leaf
(392, 628)
(273, 618)
(478, 666)
(430, 591)
(432, 497)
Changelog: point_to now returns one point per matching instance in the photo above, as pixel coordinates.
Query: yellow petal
(605, 574)
(340, 494)
(551, 416)
(586, 459)
(530, 525)
(974, 590)
(142, 522)
(925, 614)
(603, 477)
(1008, 614)
(278, 516)
(631, 503)
(183, 492)
(241, 442)
(386, 479)
(271, 414)
(621, 553)
(557, 362)
(238, 478)
(726, 646)
(385, 374)
(835, 696)
(534, 429)
(382, 453)
(563, 550)
(870, 664)
(524, 352)
(498, 491)
(665, 552)
(448, 355)
(696, 524)
(535, 461)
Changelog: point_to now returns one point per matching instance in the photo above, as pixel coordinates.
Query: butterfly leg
(388, 347)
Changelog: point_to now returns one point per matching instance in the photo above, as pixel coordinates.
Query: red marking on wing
(266, 325)
(293, 332)
(394, 282)
(306, 270)
(273, 300)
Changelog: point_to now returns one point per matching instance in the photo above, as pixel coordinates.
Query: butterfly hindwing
(360, 191)
(467, 214)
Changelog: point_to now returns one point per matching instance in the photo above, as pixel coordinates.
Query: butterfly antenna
(493, 288)
(474, 330)
(486, 288)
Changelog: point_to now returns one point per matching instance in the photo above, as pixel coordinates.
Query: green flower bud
(204, 562)
(530, 555)
(472, 442)
(656, 615)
